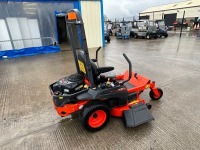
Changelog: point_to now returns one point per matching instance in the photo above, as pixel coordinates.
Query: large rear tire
(95, 116)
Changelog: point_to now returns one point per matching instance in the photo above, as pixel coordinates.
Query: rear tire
(153, 96)
(108, 40)
(111, 33)
(95, 116)
(135, 36)
(148, 37)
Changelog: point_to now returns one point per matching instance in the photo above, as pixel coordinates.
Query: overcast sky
(128, 8)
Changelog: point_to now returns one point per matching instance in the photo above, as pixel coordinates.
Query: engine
(69, 85)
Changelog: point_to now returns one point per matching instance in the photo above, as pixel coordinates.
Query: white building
(174, 11)
(29, 27)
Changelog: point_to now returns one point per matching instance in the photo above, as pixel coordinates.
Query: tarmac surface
(28, 120)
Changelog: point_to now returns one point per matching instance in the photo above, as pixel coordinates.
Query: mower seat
(96, 71)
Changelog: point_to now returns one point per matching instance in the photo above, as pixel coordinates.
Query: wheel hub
(95, 115)
(97, 118)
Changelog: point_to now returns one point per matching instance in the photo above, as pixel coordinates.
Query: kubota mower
(94, 94)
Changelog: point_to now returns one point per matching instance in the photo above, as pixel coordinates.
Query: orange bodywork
(139, 82)
(68, 109)
(118, 111)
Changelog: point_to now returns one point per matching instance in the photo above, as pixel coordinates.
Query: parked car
(107, 36)
(110, 32)
(144, 29)
(139, 29)
(107, 32)
(161, 28)
(152, 30)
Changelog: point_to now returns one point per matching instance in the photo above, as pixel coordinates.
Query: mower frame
(96, 100)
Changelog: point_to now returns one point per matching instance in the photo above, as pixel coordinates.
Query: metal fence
(25, 43)
(132, 18)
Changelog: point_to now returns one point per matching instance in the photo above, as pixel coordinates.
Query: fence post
(182, 24)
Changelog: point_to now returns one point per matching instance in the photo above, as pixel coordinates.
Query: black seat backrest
(82, 65)
(95, 71)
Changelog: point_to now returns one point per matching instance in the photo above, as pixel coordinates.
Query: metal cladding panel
(175, 6)
(91, 13)
(189, 12)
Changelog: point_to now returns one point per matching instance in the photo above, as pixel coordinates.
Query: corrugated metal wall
(91, 13)
(189, 12)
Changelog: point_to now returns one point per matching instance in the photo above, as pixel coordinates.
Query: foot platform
(136, 115)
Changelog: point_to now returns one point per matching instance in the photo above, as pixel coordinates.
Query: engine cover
(69, 85)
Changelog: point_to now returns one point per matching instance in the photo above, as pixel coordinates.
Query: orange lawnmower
(96, 94)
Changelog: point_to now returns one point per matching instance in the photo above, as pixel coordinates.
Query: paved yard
(29, 121)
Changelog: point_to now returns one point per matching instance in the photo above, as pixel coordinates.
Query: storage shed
(29, 27)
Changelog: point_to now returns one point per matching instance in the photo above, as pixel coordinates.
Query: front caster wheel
(95, 116)
(154, 96)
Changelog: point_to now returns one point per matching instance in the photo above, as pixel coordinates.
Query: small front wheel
(95, 116)
(154, 96)
(108, 40)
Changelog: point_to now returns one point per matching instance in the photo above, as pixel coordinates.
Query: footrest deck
(136, 115)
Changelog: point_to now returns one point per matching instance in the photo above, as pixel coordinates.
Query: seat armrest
(105, 69)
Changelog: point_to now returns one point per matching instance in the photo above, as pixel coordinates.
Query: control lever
(130, 68)
(135, 75)
(96, 60)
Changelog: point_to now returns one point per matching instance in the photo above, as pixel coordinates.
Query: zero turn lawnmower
(96, 95)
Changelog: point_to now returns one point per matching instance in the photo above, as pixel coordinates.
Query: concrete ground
(29, 121)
